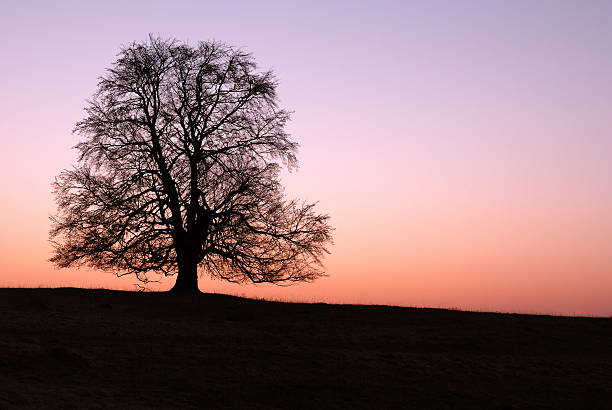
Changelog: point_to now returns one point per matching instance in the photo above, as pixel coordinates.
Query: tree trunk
(187, 278)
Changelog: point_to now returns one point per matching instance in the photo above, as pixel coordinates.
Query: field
(71, 348)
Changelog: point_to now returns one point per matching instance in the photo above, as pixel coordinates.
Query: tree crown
(179, 166)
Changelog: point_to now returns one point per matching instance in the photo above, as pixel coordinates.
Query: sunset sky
(462, 148)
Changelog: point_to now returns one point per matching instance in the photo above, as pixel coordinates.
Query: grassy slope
(96, 348)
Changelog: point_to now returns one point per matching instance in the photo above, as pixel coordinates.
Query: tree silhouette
(178, 173)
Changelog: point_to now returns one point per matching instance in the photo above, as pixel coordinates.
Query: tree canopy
(178, 173)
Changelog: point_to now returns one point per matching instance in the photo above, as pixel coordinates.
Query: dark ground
(70, 348)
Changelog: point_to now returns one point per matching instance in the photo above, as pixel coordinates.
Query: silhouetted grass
(98, 348)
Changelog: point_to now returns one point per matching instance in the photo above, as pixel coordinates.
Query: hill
(72, 348)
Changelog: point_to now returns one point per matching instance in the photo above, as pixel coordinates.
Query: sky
(462, 149)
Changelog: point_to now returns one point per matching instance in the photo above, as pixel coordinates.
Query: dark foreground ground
(69, 348)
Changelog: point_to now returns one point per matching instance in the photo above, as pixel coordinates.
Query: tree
(178, 173)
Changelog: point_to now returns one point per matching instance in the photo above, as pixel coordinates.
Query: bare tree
(178, 173)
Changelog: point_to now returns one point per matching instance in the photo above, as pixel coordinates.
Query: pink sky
(462, 148)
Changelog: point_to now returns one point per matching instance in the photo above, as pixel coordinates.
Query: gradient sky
(462, 149)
